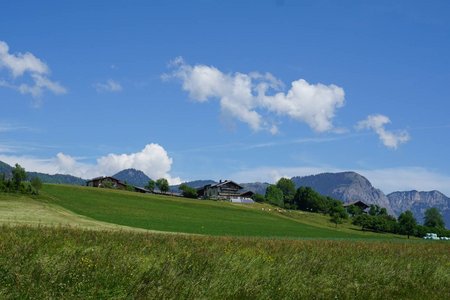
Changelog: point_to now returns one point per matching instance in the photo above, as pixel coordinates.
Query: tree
(2, 183)
(307, 199)
(274, 195)
(354, 210)
(338, 214)
(433, 218)
(129, 187)
(374, 210)
(362, 220)
(151, 185)
(18, 175)
(407, 223)
(36, 183)
(258, 197)
(287, 186)
(107, 184)
(188, 192)
(163, 185)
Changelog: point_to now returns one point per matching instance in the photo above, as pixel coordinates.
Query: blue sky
(243, 90)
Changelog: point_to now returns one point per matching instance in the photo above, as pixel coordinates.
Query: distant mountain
(133, 177)
(419, 202)
(194, 184)
(5, 169)
(345, 186)
(256, 187)
(57, 178)
(46, 178)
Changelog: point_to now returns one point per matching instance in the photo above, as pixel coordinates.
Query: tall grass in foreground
(42, 263)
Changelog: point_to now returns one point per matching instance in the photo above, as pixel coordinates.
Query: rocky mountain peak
(133, 177)
(345, 186)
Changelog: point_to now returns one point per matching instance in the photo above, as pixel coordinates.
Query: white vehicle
(431, 236)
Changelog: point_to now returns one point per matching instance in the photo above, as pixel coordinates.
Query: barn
(111, 182)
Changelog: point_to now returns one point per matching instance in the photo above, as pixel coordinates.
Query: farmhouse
(224, 190)
(359, 204)
(111, 182)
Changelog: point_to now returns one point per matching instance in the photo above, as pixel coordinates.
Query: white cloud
(153, 160)
(246, 96)
(314, 104)
(389, 138)
(41, 84)
(108, 86)
(387, 179)
(20, 64)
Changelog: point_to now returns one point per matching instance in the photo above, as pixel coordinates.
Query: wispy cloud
(245, 146)
(250, 97)
(18, 65)
(5, 127)
(377, 123)
(110, 86)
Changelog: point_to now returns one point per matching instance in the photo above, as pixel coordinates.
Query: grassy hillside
(165, 213)
(16, 209)
(62, 263)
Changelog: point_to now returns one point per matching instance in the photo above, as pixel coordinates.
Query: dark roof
(356, 203)
(225, 182)
(248, 194)
(136, 188)
(103, 177)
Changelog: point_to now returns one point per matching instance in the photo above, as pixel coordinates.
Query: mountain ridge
(419, 201)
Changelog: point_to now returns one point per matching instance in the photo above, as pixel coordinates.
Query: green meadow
(173, 214)
(86, 243)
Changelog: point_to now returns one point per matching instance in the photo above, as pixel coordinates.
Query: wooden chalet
(111, 182)
(358, 203)
(224, 190)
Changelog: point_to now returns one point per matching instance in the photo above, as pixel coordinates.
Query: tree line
(284, 194)
(18, 182)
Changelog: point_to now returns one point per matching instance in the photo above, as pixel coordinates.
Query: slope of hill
(419, 202)
(174, 214)
(345, 186)
(133, 177)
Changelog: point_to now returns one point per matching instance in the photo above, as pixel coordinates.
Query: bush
(258, 198)
(188, 192)
(36, 183)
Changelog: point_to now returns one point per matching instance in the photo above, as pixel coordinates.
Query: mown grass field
(64, 263)
(171, 214)
(17, 209)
